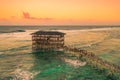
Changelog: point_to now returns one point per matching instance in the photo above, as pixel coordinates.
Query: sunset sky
(59, 12)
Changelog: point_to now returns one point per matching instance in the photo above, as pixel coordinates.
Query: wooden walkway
(92, 58)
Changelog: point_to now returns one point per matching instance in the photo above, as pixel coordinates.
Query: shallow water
(43, 66)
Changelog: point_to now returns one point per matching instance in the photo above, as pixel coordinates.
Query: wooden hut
(47, 40)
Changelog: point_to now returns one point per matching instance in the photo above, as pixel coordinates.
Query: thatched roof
(48, 33)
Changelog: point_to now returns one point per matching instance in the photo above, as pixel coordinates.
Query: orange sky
(59, 12)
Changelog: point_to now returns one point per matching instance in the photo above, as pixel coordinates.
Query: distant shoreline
(11, 29)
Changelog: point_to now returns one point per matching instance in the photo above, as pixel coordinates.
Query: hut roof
(48, 33)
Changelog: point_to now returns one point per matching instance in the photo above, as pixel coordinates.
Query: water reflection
(48, 64)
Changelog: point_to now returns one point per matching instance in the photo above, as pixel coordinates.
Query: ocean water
(43, 66)
(7, 29)
(18, 62)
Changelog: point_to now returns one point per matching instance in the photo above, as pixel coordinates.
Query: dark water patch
(19, 48)
(13, 55)
(109, 53)
(20, 31)
(12, 31)
(23, 41)
(43, 58)
(84, 73)
(6, 29)
(16, 49)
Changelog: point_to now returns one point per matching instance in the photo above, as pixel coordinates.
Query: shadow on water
(48, 64)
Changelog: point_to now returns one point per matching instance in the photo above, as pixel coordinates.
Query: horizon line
(65, 25)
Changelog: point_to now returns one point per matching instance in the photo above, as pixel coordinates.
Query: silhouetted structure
(47, 40)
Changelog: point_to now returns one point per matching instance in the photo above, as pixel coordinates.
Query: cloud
(26, 15)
